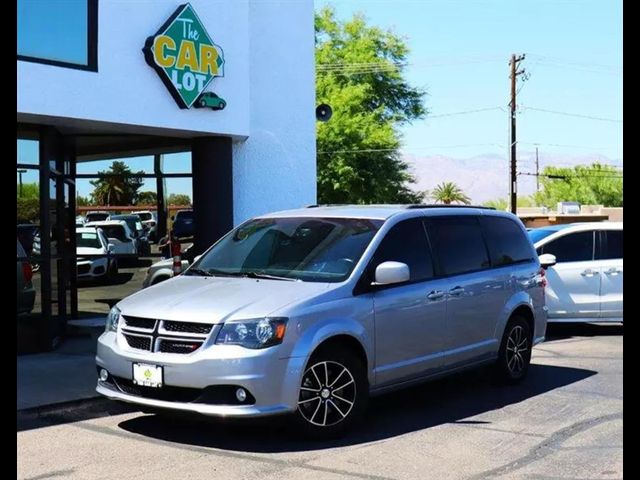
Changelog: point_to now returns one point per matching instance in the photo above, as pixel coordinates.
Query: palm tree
(449, 192)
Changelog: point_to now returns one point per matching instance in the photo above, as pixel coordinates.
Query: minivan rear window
(458, 244)
(506, 240)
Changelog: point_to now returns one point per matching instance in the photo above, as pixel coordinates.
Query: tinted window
(537, 234)
(506, 241)
(184, 215)
(458, 244)
(406, 242)
(114, 231)
(574, 247)
(145, 216)
(613, 244)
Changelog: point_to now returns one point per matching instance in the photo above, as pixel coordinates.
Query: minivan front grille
(187, 327)
(164, 336)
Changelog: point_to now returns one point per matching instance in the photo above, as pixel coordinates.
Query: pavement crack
(548, 446)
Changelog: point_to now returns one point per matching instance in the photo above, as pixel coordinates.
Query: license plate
(147, 375)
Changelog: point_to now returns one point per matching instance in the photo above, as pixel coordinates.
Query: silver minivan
(309, 312)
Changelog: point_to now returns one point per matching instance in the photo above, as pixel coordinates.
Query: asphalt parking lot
(563, 422)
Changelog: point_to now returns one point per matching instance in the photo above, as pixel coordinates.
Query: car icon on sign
(210, 100)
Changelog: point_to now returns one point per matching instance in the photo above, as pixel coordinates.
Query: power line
(568, 114)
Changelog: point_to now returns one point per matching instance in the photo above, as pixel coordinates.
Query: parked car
(97, 216)
(140, 234)
(183, 224)
(161, 271)
(149, 220)
(26, 293)
(585, 284)
(80, 221)
(308, 312)
(93, 255)
(26, 235)
(119, 235)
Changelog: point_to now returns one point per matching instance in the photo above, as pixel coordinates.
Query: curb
(63, 407)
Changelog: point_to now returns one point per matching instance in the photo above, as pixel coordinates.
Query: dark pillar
(161, 208)
(211, 160)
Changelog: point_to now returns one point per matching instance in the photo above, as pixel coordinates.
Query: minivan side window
(458, 244)
(506, 241)
(612, 247)
(574, 247)
(406, 242)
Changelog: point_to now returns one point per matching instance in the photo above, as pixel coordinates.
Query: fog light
(241, 394)
(103, 375)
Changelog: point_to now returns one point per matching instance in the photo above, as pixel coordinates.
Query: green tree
(503, 203)
(360, 73)
(594, 184)
(147, 198)
(28, 210)
(178, 199)
(449, 192)
(83, 201)
(117, 186)
(29, 190)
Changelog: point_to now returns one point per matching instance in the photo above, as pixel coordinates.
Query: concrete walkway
(64, 375)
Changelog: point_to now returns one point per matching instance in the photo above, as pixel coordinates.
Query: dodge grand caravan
(310, 311)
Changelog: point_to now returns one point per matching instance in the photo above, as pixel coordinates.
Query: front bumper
(100, 263)
(272, 381)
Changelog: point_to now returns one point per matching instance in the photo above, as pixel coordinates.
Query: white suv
(585, 285)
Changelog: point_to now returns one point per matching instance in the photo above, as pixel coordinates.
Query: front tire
(514, 356)
(333, 394)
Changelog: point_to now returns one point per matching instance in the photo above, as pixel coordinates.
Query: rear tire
(514, 356)
(333, 394)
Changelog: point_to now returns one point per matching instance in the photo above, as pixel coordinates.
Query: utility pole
(513, 185)
(537, 172)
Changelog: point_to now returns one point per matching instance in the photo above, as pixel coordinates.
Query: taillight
(27, 271)
(543, 277)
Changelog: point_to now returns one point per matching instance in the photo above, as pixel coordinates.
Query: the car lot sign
(184, 55)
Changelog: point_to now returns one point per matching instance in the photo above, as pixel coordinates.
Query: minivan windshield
(301, 248)
(88, 239)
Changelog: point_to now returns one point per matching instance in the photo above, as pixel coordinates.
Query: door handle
(613, 271)
(456, 291)
(589, 273)
(435, 295)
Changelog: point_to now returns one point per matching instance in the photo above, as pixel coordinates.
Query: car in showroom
(183, 224)
(585, 283)
(150, 221)
(140, 233)
(96, 216)
(308, 312)
(119, 235)
(94, 260)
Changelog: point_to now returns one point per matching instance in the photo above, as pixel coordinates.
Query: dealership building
(230, 83)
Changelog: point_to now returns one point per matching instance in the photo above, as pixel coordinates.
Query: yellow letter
(208, 58)
(187, 56)
(159, 44)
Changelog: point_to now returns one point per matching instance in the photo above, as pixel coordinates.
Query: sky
(460, 51)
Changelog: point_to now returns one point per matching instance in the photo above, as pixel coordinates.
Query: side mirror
(547, 260)
(111, 247)
(391, 272)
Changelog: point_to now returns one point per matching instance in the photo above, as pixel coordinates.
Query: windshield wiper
(267, 276)
(199, 272)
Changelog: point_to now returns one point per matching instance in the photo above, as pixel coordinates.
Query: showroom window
(62, 33)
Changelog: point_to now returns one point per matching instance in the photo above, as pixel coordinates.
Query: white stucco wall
(275, 169)
(268, 85)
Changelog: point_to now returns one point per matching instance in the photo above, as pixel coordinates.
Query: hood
(216, 299)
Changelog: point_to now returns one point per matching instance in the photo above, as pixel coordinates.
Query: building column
(211, 166)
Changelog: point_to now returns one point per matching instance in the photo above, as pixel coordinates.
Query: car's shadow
(562, 331)
(449, 400)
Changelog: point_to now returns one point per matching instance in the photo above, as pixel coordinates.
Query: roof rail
(438, 205)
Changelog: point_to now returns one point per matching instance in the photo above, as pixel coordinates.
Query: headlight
(254, 333)
(112, 320)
